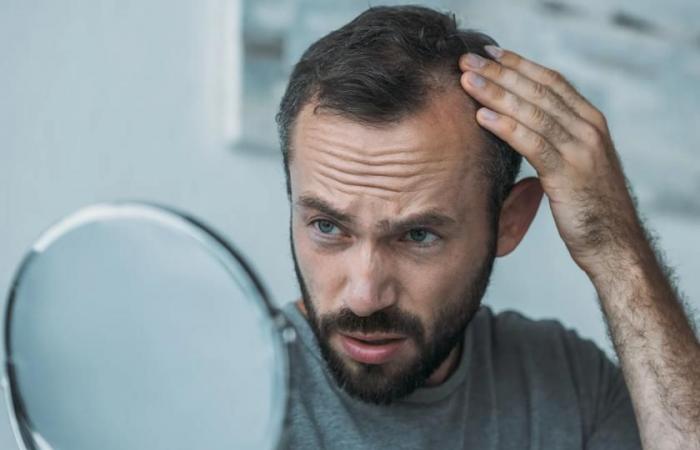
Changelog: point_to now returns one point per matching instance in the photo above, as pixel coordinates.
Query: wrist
(621, 265)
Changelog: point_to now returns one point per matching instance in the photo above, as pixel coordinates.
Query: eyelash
(315, 225)
(424, 244)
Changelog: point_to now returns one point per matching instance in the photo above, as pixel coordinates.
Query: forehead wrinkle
(333, 165)
(393, 154)
(391, 184)
(330, 167)
(372, 144)
(332, 188)
(363, 182)
(379, 193)
(376, 160)
(372, 140)
(357, 188)
(392, 179)
(342, 157)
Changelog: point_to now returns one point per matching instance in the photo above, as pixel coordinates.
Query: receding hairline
(440, 85)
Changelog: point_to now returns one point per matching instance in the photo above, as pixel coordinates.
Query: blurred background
(174, 102)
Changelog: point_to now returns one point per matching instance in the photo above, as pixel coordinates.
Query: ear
(517, 213)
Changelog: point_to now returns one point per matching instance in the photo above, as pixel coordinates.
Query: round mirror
(131, 326)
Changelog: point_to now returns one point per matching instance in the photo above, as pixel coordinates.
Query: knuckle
(539, 90)
(599, 118)
(557, 102)
(538, 115)
(498, 70)
(514, 104)
(498, 93)
(540, 145)
(512, 78)
(592, 135)
(511, 127)
(513, 59)
(557, 133)
(553, 77)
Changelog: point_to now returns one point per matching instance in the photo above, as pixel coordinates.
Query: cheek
(322, 271)
(427, 286)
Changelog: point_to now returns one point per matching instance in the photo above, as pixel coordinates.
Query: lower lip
(364, 352)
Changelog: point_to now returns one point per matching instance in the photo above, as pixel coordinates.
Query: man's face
(391, 241)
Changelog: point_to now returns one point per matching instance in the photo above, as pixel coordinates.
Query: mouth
(376, 348)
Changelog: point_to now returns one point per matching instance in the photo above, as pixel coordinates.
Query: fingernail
(494, 51)
(474, 60)
(475, 79)
(487, 114)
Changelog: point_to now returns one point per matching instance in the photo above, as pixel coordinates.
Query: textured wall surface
(106, 99)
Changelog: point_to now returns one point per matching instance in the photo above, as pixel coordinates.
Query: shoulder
(554, 364)
(514, 334)
(545, 352)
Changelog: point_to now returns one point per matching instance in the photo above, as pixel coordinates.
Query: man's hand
(567, 141)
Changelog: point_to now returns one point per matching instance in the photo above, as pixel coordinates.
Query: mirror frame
(222, 250)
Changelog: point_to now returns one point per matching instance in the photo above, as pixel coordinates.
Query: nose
(369, 285)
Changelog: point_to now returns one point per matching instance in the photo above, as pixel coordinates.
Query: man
(402, 138)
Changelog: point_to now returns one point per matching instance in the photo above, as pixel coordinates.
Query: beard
(382, 384)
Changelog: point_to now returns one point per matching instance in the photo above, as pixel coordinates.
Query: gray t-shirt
(519, 384)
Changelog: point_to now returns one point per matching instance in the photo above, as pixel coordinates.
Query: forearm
(567, 140)
(657, 348)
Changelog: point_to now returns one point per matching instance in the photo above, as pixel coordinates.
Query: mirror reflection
(131, 327)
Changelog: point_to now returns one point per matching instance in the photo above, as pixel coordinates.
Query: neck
(447, 368)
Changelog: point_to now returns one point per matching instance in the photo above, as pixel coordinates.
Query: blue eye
(325, 226)
(421, 236)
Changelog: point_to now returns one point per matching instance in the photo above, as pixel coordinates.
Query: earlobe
(517, 213)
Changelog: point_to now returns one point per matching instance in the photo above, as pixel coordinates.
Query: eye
(326, 227)
(421, 236)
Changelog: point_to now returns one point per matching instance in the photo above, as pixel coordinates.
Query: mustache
(383, 321)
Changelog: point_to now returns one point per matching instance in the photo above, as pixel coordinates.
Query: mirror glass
(131, 326)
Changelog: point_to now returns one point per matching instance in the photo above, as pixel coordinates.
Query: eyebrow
(429, 218)
(312, 202)
(432, 217)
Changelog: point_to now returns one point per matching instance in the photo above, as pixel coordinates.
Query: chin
(379, 384)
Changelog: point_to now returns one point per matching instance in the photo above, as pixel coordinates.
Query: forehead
(427, 160)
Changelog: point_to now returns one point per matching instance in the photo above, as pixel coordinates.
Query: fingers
(535, 93)
(551, 79)
(532, 145)
(505, 102)
(534, 109)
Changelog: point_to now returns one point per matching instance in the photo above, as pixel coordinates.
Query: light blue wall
(122, 99)
(106, 99)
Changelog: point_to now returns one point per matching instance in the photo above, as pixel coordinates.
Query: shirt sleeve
(576, 394)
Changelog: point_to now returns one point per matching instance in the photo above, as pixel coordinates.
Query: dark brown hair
(380, 68)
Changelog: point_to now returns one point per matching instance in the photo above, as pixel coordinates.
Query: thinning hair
(385, 65)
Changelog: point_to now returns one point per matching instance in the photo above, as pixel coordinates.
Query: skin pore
(390, 233)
